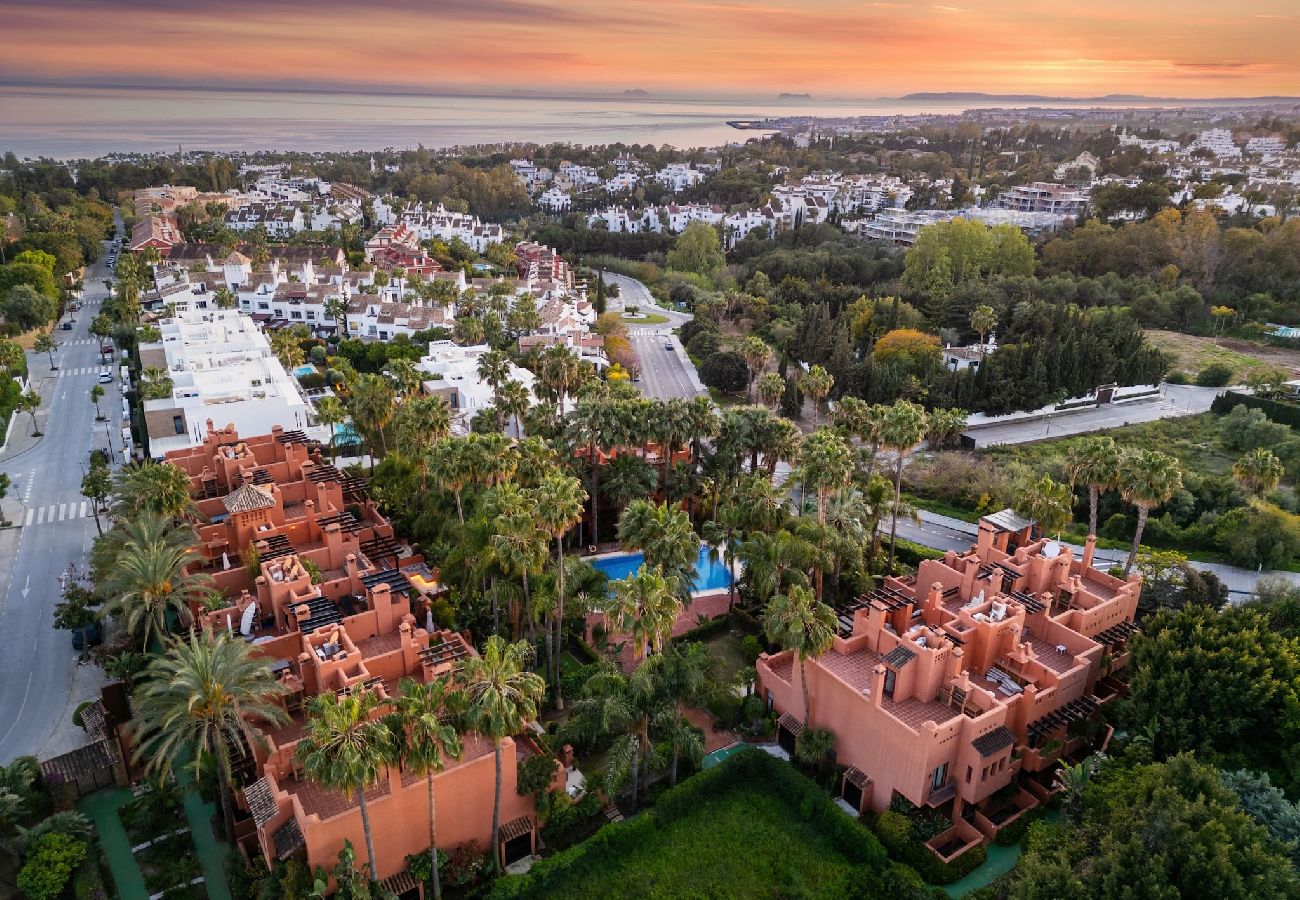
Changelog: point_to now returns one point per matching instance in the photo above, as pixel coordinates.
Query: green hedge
(897, 834)
(709, 629)
(911, 553)
(1016, 830)
(1278, 411)
(743, 770)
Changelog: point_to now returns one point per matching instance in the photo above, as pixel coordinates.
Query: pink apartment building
(961, 686)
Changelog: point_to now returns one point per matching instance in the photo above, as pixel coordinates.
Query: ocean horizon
(87, 122)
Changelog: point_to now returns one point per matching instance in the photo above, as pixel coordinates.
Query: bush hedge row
(897, 834)
(1278, 411)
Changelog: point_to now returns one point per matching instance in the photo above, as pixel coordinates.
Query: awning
(260, 317)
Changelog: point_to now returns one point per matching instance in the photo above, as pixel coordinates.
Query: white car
(105, 377)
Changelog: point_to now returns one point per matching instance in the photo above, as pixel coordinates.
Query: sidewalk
(19, 438)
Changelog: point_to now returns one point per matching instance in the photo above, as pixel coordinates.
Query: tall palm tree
(425, 740)
(645, 606)
(449, 466)
(628, 478)
(494, 369)
(770, 388)
(346, 746)
(983, 319)
(331, 413)
(1095, 462)
(782, 442)
(372, 409)
(800, 622)
(560, 371)
(148, 577)
(150, 487)
(827, 468)
(560, 499)
(203, 696)
(817, 384)
(418, 424)
(775, 561)
(500, 696)
(513, 400)
(670, 423)
(756, 352)
(901, 427)
(665, 535)
(1148, 478)
(1259, 471)
(590, 427)
(406, 378)
(518, 545)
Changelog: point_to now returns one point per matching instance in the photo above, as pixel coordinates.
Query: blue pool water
(345, 433)
(710, 575)
(303, 370)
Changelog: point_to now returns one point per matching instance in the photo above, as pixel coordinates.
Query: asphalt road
(1175, 400)
(666, 371)
(36, 667)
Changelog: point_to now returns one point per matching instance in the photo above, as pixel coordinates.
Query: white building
(555, 200)
(222, 372)
(1266, 146)
(452, 373)
(622, 183)
(1218, 141)
(677, 177)
(280, 220)
(738, 226)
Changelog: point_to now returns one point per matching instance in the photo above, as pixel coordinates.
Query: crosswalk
(57, 512)
(80, 370)
(80, 342)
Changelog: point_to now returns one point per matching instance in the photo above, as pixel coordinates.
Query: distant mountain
(636, 92)
(978, 97)
(786, 96)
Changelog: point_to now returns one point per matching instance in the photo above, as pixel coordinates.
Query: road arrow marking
(27, 588)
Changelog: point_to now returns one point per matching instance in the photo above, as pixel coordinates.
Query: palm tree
(149, 578)
(559, 507)
(149, 486)
(425, 740)
(418, 424)
(500, 696)
(202, 697)
(1046, 503)
(372, 410)
(664, 534)
(591, 423)
(287, 347)
(756, 352)
(770, 388)
(468, 331)
(560, 372)
(449, 467)
(1094, 461)
(827, 468)
(513, 400)
(1148, 478)
(331, 412)
(494, 369)
(901, 427)
(800, 622)
(645, 606)
(406, 378)
(346, 747)
(629, 478)
(775, 561)
(336, 308)
(1259, 471)
(817, 384)
(518, 546)
(983, 319)
(944, 427)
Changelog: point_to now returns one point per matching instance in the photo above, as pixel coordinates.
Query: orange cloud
(828, 47)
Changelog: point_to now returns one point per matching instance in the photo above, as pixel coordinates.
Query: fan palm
(664, 534)
(203, 695)
(901, 427)
(331, 413)
(1259, 471)
(770, 388)
(645, 606)
(346, 747)
(1094, 461)
(518, 545)
(406, 378)
(371, 406)
(1046, 503)
(800, 622)
(817, 384)
(148, 578)
(1148, 478)
(150, 487)
(425, 740)
(827, 468)
(500, 696)
(628, 478)
(449, 467)
(513, 400)
(418, 424)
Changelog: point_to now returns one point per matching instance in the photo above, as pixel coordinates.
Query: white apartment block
(1266, 146)
(281, 220)
(452, 373)
(371, 317)
(622, 183)
(555, 200)
(677, 177)
(1044, 197)
(738, 226)
(222, 372)
(426, 223)
(1218, 141)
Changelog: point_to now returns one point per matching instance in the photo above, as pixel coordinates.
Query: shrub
(312, 380)
(49, 865)
(1214, 375)
(750, 648)
(535, 774)
(1176, 377)
(1013, 833)
(898, 835)
(725, 371)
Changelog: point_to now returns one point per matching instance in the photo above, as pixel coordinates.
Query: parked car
(66, 326)
(105, 376)
(88, 636)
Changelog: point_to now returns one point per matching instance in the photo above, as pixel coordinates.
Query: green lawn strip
(646, 319)
(751, 827)
(211, 853)
(101, 808)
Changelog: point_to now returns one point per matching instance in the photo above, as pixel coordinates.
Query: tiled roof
(258, 797)
(287, 839)
(516, 828)
(996, 740)
(899, 657)
(247, 498)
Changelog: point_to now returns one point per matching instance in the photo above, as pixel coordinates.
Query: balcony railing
(942, 795)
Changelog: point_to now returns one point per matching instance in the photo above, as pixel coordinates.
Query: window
(263, 306)
(178, 423)
(890, 678)
(939, 777)
(295, 314)
(970, 773)
(311, 314)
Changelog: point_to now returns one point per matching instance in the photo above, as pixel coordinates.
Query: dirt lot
(1191, 354)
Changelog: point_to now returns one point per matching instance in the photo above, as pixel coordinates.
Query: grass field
(745, 841)
(1191, 354)
(645, 318)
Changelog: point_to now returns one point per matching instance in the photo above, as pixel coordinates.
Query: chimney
(1089, 546)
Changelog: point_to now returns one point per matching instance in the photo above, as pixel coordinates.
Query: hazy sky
(1189, 48)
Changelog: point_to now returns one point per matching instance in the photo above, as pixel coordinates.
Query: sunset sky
(830, 48)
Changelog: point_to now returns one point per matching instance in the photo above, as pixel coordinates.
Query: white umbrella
(246, 620)
(225, 560)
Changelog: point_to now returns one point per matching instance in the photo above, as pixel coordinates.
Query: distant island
(978, 97)
(636, 92)
(785, 96)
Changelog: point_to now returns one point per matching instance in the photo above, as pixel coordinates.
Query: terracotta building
(333, 601)
(959, 688)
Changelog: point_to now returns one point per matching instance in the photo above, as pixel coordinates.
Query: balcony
(942, 795)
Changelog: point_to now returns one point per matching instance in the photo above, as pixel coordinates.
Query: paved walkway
(946, 533)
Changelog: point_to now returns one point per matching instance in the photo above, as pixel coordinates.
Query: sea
(86, 122)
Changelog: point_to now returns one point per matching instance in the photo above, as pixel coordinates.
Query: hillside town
(913, 496)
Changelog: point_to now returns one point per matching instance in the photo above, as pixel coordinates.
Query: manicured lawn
(726, 648)
(747, 842)
(645, 319)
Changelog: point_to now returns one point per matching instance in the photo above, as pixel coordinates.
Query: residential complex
(216, 366)
(333, 601)
(947, 686)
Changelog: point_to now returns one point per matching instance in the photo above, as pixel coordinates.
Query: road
(666, 370)
(1176, 400)
(37, 668)
(946, 533)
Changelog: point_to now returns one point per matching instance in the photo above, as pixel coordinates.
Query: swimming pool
(710, 574)
(304, 370)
